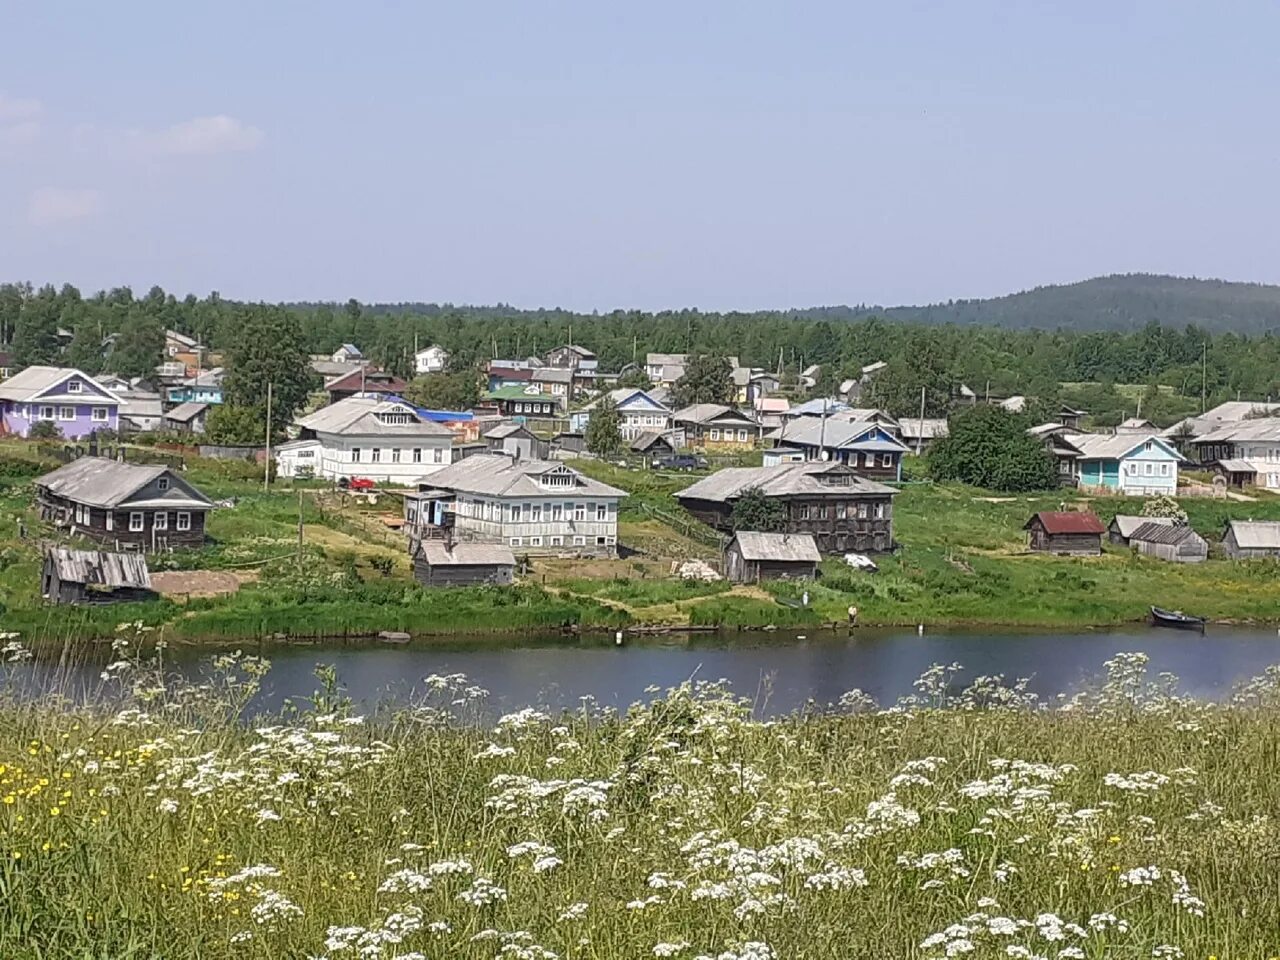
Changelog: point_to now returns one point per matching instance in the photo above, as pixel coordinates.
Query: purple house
(71, 400)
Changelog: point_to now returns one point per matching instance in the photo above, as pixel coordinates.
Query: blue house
(1141, 466)
(204, 388)
(868, 446)
(638, 413)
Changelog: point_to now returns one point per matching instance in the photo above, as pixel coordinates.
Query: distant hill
(1117, 302)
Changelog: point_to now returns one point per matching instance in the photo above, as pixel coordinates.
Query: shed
(1174, 542)
(1122, 526)
(90, 576)
(1251, 539)
(752, 556)
(1065, 532)
(437, 564)
(1236, 472)
(652, 443)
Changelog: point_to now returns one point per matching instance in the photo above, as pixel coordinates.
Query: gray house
(437, 564)
(752, 556)
(1251, 539)
(87, 576)
(1174, 542)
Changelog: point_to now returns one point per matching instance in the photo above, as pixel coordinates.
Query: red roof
(1068, 521)
(367, 380)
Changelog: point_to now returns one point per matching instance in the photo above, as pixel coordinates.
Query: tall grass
(1133, 824)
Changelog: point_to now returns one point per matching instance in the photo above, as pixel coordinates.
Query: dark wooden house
(1251, 539)
(752, 556)
(840, 509)
(147, 507)
(440, 564)
(1065, 532)
(87, 576)
(652, 443)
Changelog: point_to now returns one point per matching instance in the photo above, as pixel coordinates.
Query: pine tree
(35, 338)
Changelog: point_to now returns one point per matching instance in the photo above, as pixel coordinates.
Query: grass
(961, 823)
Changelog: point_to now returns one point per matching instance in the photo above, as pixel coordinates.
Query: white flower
(167, 805)
(670, 949)
(482, 893)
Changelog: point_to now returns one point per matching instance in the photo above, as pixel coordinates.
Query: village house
(571, 357)
(432, 359)
(204, 387)
(770, 412)
(840, 509)
(1172, 542)
(852, 389)
(1057, 440)
(1247, 451)
(6, 365)
(363, 380)
(1139, 425)
(1065, 532)
(526, 403)
(716, 425)
(513, 439)
(1070, 417)
(144, 506)
(71, 400)
(1136, 465)
(440, 564)
(809, 376)
(1186, 432)
(654, 444)
(140, 411)
(664, 369)
(1251, 539)
(187, 418)
(918, 435)
(866, 446)
(531, 506)
(638, 413)
(91, 577)
(555, 381)
(751, 557)
(347, 353)
(363, 436)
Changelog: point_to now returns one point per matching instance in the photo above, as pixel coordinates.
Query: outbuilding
(1123, 525)
(1251, 539)
(437, 564)
(1174, 542)
(752, 556)
(90, 576)
(1066, 532)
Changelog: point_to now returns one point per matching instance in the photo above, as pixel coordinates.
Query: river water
(780, 670)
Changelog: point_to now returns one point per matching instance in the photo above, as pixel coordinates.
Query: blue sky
(601, 155)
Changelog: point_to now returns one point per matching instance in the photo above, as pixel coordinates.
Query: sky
(721, 155)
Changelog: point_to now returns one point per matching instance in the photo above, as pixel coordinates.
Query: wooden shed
(1174, 542)
(90, 576)
(752, 556)
(1065, 532)
(1123, 525)
(437, 564)
(1251, 539)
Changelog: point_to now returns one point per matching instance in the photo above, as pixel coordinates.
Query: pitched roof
(1154, 531)
(466, 554)
(647, 440)
(503, 430)
(838, 435)
(207, 378)
(1125, 524)
(31, 382)
(926, 429)
(621, 395)
(576, 348)
(94, 567)
(518, 392)
(365, 379)
(1237, 466)
(817, 407)
(1256, 534)
(1098, 446)
(359, 416)
(779, 547)
(500, 476)
(182, 338)
(772, 404)
(350, 349)
(784, 480)
(99, 482)
(185, 412)
(706, 412)
(552, 375)
(1067, 521)
(1262, 429)
(1240, 410)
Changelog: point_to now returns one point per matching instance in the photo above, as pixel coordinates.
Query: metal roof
(107, 569)
(358, 416)
(552, 375)
(185, 412)
(1125, 524)
(785, 480)
(504, 430)
(31, 382)
(927, 429)
(1256, 534)
(621, 395)
(1241, 410)
(500, 476)
(784, 547)
(364, 379)
(1237, 466)
(708, 412)
(1067, 521)
(466, 554)
(1261, 430)
(1097, 446)
(1154, 531)
(837, 435)
(99, 482)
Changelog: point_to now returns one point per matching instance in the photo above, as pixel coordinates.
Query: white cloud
(52, 205)
(19, 108)
(207, 135)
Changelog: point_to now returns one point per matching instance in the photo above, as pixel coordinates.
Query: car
(680, 461)
(356, 483)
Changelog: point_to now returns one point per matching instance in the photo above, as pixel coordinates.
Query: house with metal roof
(527, 402)
(432, 359)
(831, 501)
(918, 434)
(141, 505)
(531, 506)
(379, 438)
(1251, 539)
(1065, 532)
(69, 399)
(1173, 542)
(204, 387)
(1122, 526)
(347, 353)
(638, 410)
(187, 417)
(89, 576)
(716, 425)
(867, 446)
(363, 380)
(752, 556)
(1244, 451)
(1136, 465)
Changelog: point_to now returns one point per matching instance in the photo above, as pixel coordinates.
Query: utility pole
(920, 431)
(1204, 372)
(266, 473)
(822, 432)
(635, 345)
(299, 528)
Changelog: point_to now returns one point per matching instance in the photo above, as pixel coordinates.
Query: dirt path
(180, 584)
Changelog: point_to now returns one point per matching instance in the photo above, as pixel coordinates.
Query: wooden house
(1251, 539)
(652, 444)
(440, 564)
(363, 380)
(515, 440)
(144, 506)
(87, 576)
(1065, 532)
(753, 556)
(717, 425)
(1122, 526)
(868, 446)
(1057, 440)
(1174, 542)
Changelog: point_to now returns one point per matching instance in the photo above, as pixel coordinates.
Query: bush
(987, 446)
(44, 430)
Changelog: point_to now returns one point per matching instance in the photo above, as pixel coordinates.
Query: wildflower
(482, 893)
(670, 949)
(575, 911)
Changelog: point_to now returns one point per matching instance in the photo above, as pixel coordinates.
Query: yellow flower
(1113, 839)
(17, 855)
(10, 798)
(54, 811)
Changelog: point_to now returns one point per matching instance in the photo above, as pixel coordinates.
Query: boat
(1175, 619)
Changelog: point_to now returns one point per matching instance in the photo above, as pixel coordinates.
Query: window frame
(105, 415)
(75, 386)
(183, 521)
(160, 520)
(66, 413)
(137, 521)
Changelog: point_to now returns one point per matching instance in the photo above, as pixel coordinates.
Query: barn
(752, 556)
(90, 576)
(1066, 532)
(437, 564)
(1251, 539)
(1174, 542)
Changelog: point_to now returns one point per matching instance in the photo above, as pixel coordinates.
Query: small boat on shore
(1175, 619)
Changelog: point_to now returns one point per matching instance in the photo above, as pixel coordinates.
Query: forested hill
(1118, 302)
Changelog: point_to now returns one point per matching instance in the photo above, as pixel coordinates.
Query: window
(579, 511)
(66, 413)
(184, 521)
(438, 455)
(161, 521)
(100, 415)
(803, 511)
(1164, 469)
(515, 513)
(46, 413)
(135, 522)
(602, 511)
(111, 520)
(395, 454)
(375, 455)
(862, 511)
(162, 483)
(557, 541)
(822, 512)
(355, 454)
(879, 511)
(535, 541)
(610, 541)
(599, 541)
(1147, 445)
(579, 541)
(1149, 468)
(417, 454)
(535, 515)
(886, 459)
(556, 512)
(841, 511)
(516, 541)
(742, 436)
(74, 386)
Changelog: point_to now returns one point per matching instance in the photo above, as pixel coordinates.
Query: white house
(432, 359)
(638, 412)
(1247, 447)
(347, 353)
(532, 506)
(1142, 466)
(367, 436)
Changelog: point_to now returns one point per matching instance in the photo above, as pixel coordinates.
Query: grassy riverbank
(961, 823)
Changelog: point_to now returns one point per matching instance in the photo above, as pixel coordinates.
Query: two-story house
(1246, 451)
(1136, 465)
(531, 506)
(432, 359)
(716, 425)
(868, 446)
(363, 380)
(384, 440)
(638, 413)
(204, 387)
(71, 400)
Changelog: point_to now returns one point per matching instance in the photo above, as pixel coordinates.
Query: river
(781, 670)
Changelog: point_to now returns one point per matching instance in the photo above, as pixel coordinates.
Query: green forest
(1193, 341)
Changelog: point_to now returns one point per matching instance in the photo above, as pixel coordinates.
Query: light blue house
(1142, 466)
(638, 413)
(203, 388)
